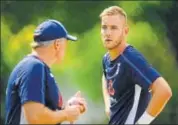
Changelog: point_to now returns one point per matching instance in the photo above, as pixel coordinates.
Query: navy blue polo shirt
(128, 79)
(30, 80)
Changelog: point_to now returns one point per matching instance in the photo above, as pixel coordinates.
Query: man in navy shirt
(134, 92)
(32, 95)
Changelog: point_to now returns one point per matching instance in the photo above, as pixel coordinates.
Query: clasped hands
(75, 106)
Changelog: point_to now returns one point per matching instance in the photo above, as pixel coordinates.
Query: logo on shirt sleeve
(60, 101)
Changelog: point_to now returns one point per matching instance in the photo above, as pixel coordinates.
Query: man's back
(128, 79)
(29, 82)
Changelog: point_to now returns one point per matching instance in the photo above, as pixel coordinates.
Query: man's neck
(114, 53)
(44, 57)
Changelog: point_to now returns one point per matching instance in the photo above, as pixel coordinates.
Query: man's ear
(126, 30)
(57, 44)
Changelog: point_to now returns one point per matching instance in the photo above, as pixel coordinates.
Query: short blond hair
(113, 10)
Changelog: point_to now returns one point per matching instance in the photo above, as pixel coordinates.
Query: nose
(108, 32)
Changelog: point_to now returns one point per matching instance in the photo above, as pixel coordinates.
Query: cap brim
(70, 37)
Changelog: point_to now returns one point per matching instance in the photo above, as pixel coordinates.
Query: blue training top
(31, 80)
(128, 79)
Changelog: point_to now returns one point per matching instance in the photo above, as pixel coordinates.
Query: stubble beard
(118, 42)
(116, 45)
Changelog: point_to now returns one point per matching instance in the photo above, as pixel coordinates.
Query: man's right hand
(72, 113)
(77, 99)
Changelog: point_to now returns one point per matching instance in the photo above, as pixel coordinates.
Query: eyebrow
(109, 25)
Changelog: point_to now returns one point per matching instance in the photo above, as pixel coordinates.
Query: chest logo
(111, 90)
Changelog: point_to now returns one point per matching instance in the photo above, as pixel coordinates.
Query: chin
(109, 47)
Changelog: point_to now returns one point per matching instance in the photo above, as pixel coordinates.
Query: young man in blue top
(32, 95)
(134, 92)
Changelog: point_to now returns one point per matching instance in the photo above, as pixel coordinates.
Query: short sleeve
(32, 87)
(142, 72)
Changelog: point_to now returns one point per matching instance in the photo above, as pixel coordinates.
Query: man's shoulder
(27, 66)
(29, 63)
(105, 57)
(33, 61)
(132, 53)
(134, 57)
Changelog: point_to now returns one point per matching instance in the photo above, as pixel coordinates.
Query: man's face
(60, 48)
(113, 30)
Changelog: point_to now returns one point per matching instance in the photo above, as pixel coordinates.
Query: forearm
(106, 100)
(157, 103)
(106, 97)
(161, 93)
(52, 117)
(37, 113)
(107, 106)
